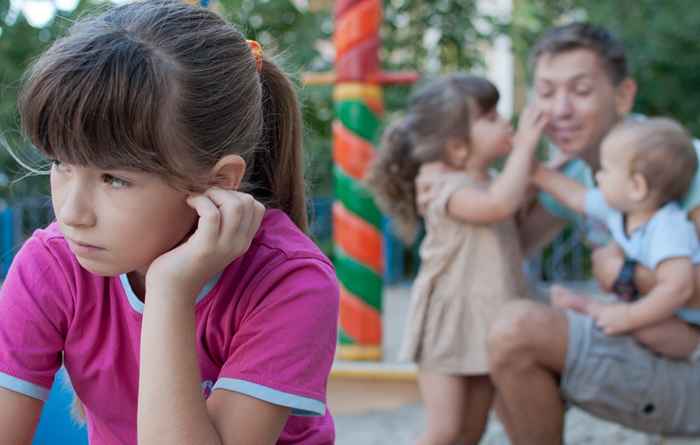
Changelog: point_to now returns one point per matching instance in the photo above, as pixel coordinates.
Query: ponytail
(391, 178)
(277, 170)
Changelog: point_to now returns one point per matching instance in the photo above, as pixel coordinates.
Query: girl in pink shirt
(182, 309)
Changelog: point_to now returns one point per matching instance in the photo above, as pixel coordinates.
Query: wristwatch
(624, 286)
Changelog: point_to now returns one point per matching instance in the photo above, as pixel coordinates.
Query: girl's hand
(428, 175)
(530, 126)
(228, 221)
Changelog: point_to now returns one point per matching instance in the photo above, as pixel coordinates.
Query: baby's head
(646, 164)
(166, 88)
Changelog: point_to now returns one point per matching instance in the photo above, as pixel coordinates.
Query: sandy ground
(402, 427)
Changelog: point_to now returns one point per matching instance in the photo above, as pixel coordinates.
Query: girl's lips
(83, 248)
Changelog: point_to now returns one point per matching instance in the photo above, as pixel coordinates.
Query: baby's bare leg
(564, 298)
(672, 338)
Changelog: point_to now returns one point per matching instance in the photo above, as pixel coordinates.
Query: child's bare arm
(502, 198)
(19, 416)
(564, 189)
(673, 289)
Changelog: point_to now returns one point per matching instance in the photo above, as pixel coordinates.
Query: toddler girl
(470, 258)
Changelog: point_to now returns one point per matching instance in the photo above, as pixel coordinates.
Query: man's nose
(562, 105)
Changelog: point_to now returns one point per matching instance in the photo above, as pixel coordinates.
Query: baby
(646, 167)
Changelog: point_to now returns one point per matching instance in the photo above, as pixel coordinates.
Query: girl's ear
(640, 187)
(456, 152)
(228, 172)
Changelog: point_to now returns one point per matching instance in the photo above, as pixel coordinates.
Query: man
(541, 356)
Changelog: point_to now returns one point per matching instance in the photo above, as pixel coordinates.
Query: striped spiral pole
(357, 223)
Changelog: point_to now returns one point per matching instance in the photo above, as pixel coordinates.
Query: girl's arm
(506, 193)
(171, 408)
(564, 189)
(673, 289)
(19, 416)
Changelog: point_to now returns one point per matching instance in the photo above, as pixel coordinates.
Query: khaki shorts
(616, 379)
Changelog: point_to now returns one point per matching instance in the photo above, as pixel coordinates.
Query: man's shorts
(616, 379)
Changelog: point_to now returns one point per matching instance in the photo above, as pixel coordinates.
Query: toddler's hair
(439, 112)
(663, 154)
(167, 88)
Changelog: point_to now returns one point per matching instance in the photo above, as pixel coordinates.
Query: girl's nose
(75, 207)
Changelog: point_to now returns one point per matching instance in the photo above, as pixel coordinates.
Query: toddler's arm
(564, 189)
(502, 198)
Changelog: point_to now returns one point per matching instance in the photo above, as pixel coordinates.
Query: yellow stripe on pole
(370, 94)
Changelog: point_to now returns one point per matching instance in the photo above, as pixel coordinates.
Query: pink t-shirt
(265, 327)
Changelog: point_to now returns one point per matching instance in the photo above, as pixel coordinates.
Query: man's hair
(663, 154)
(579, 35)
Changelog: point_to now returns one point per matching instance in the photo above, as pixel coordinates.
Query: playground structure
(358, 226)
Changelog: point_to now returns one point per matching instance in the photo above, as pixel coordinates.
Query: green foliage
(301, 38)
(303, 34)
(661, 40)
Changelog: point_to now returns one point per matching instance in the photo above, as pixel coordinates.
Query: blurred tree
(431, 36)
(661, 41)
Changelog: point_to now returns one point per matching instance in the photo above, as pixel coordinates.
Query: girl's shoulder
(45, 247)
(278, 237)
(283, 271)
(280, 255)
(445, 187)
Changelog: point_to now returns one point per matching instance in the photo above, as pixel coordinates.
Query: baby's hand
(228, 221)
(613, 318)
(532, 122)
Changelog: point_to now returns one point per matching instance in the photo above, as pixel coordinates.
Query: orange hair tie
(257, 51)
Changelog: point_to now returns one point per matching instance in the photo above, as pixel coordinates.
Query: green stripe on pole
(359, 119)
(358, 279)
(356, 198)
(345, 339)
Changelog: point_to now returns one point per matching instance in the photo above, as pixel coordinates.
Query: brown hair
(580, 35)
(441, 111)
(167, 88)
(663, 154)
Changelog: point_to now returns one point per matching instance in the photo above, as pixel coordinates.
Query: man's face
(575, 89)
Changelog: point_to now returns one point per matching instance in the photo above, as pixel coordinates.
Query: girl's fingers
(258, 215)
(241, 214)
(209, 218)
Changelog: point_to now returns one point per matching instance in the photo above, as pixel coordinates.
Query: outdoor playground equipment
(358, 226)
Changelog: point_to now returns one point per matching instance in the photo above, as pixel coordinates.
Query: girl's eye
(114, 182)
(59, 166)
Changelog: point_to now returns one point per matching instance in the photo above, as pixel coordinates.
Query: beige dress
(467, 273)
